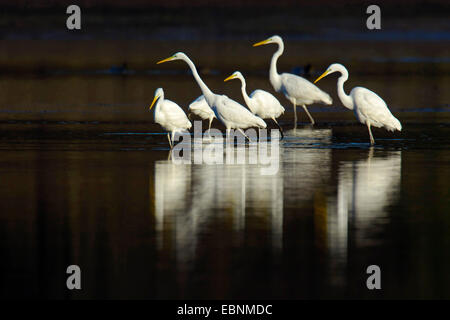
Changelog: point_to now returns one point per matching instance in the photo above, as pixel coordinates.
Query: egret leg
(295, 114)
(241, 131)
(279, 127)
(227, 138)
(170, 142)
(210, 121)
(190, 115)
(309, 115)
(209, 127)
(372, 140)
(369, 158)
(173, 135)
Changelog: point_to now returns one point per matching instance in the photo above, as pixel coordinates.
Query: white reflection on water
(365, 188)
(171, 191)
(310, 134)
(192, 201)
(189, 198)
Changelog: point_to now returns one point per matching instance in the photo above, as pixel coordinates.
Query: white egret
(260, 102)
(200, 108)
(169, 115)
(369, 108)
(232, 114)
(296, 89)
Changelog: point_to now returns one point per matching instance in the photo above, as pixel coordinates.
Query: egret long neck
(346, 100)
(274, 76)
(209, 95)
(247, 99)
(158, 107)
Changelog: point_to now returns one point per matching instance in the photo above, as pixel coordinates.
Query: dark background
(71, 193)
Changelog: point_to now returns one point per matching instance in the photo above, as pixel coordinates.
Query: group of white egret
(369, 108)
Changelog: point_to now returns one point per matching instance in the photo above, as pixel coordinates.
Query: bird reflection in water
(365, 189)
(309, 135)
(188, 198)
(192, 201)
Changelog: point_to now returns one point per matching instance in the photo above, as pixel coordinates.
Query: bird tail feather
(397, 124)
(261, 123)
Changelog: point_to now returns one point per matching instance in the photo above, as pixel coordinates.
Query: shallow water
(87, 179)
(142, 226)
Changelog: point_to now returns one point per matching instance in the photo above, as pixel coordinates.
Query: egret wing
(234, 112)
(269, 105)
(174, 115)
(201, 108)
(370, 106)
(197, 102)
(302, 89)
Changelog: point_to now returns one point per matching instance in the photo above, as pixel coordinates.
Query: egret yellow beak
(261, 43)
(230, 78)
(165, 60)
(323, 75)
(154, 100)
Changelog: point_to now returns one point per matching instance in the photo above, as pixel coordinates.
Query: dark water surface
(86, 179)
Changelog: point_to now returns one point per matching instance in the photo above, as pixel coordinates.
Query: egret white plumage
(260, 102)
(169, 115)
(296, 89)
(231, 113)
(369, 108)
(200, 108)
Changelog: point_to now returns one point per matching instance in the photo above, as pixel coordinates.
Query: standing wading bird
(369, 108)
(296, 89)
(232, 114)
(200, 108)
(260, 102)
(169, 115)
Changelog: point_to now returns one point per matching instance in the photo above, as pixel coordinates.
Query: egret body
(169, 115)
(296, 89)
(260, 102)
(232, 114)
(200, 108)
(368, 107)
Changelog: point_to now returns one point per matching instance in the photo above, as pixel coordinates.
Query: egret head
(235, 75)
(176, 56)
(159, 93)
(272, 39)
(335, 67)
